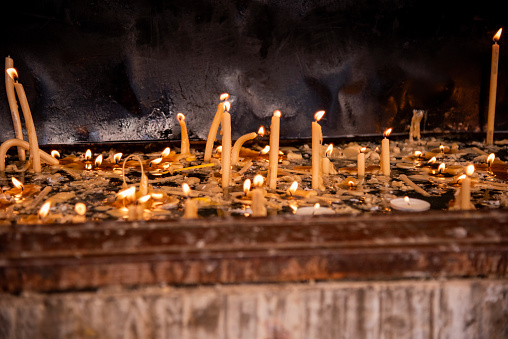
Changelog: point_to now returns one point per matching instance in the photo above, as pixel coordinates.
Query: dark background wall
(121, 70)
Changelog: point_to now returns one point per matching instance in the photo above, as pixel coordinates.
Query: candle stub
(409, 204)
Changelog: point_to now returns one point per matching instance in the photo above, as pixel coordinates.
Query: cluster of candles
(132, 201)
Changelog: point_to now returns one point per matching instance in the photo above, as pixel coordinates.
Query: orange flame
(98, 160)
(80, 208)
(12, 73)
(88, 154)
(186, 189)
(490, 159)
(17, 183)
(418, 153)
(219, 149)
(265, 150)
(387, 133)
(55, 154)
(319, 115)
(117, 157)
(441, 168)
(227, 106)
(157, 196)
(432, 160)
(261, 131)
(180, 117)
(497, 36)
(155, 161)
(144, 198)
(293, 187)
(128, 193)
(276, 113)
(469, 170)
(258, 180)
(166, 152)
(317, 205)
(246, 186)
(224, 96)
(363, 149)
(441, 148)
(329, 150)
(351, 183)
(44, 211)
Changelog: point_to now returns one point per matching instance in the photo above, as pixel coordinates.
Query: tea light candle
(273, 156)
(385, 153)
(184, 144)
(258, 198)
(13, 105)
(407, 204)
(314, 210)
(317, 140)
(493, 88)
(226, 149)
(465, 190)
(212, 134)
(360, 160)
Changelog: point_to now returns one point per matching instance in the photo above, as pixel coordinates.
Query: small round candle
(409, 204)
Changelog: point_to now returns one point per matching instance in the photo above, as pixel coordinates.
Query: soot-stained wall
(112, 70)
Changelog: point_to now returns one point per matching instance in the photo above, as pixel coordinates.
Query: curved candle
(235, 153)
(184, 144)
(360, 160)
(273, 156)
(6, 145)
(13, 105)
(212, 134)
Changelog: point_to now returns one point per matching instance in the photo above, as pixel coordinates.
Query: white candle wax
(409, 204)
(385, 154)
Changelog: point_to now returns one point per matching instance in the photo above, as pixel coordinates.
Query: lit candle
(273, 156)
(294, 191)
(27, 114)
(44, 211)
(325, 161)
(493, 88)
(212, 134)
(258, 199)
(191, 207)
(80, 210)
(385, 153)
(490, 160)
(317, 140)
(184, 144)
(235, 153)
(13, 105)
(465, 199)
(407, 204)
(226, 149)
(246, 187)
(360, 160)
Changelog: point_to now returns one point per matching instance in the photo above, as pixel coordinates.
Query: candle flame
(55, 154)
(128, 193)
(227, 106)
(117, 157)
(497, 36)
(276, 113)
(317, 205)
(246, 186)
(387, 133)
(406, 199)
(441, 148)
(294, 206)
(44, 210)
(462, 177)
(265, 150)
(88, 166)
(166, 152)
(469, 170)
(432, 160)
(329, 150)
(293, 187)
(418, 154)
(12, 73)
(157, 196)
(88, 154)
(98, 160)
(319, 115)
(156, 161)
(80, 208)
(441, 168)
(17, 183)
(224, 96)
(490, 159)
(186, 189)
(219, 149)
(351, 183)
(261, 131)
(144, 198)
(258, 180)
(363, 149)
(180, 117)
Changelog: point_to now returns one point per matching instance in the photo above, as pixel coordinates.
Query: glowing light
(276, 113)
(258, 180)
(55, 154)
(155, 161)
(12, 73)
(351, 183)
(180, 117)
(490, 159)
(418, 153)
(261, 131)
(387, 133)
(406, 199)
(319, 115)
(363, 149)
(469, 170)
(117, 157)
(157, 196)
(317, 205)
(294, 206)
(144, 198)
(246, 186)
(80, 208)
(128, 193)
(98, 160)
(497, 36)
(88, 166)
(293, 187)
(441, 168)
(432, 160)
(265, 150)
(227, 106)
(166, 152)
(224, 96)
(329, 150)
(88, 154)
(219, 149)
(17, 183)
(44, 210)
(186, 189)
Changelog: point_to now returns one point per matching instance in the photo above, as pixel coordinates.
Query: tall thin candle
(184, 144)
(493, 88)
(385, 153)
(212, 134)
(13, 105)
(226, 149)
(317, 141)
(273, 156)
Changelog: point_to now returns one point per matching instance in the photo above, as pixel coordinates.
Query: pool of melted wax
(98, 189)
